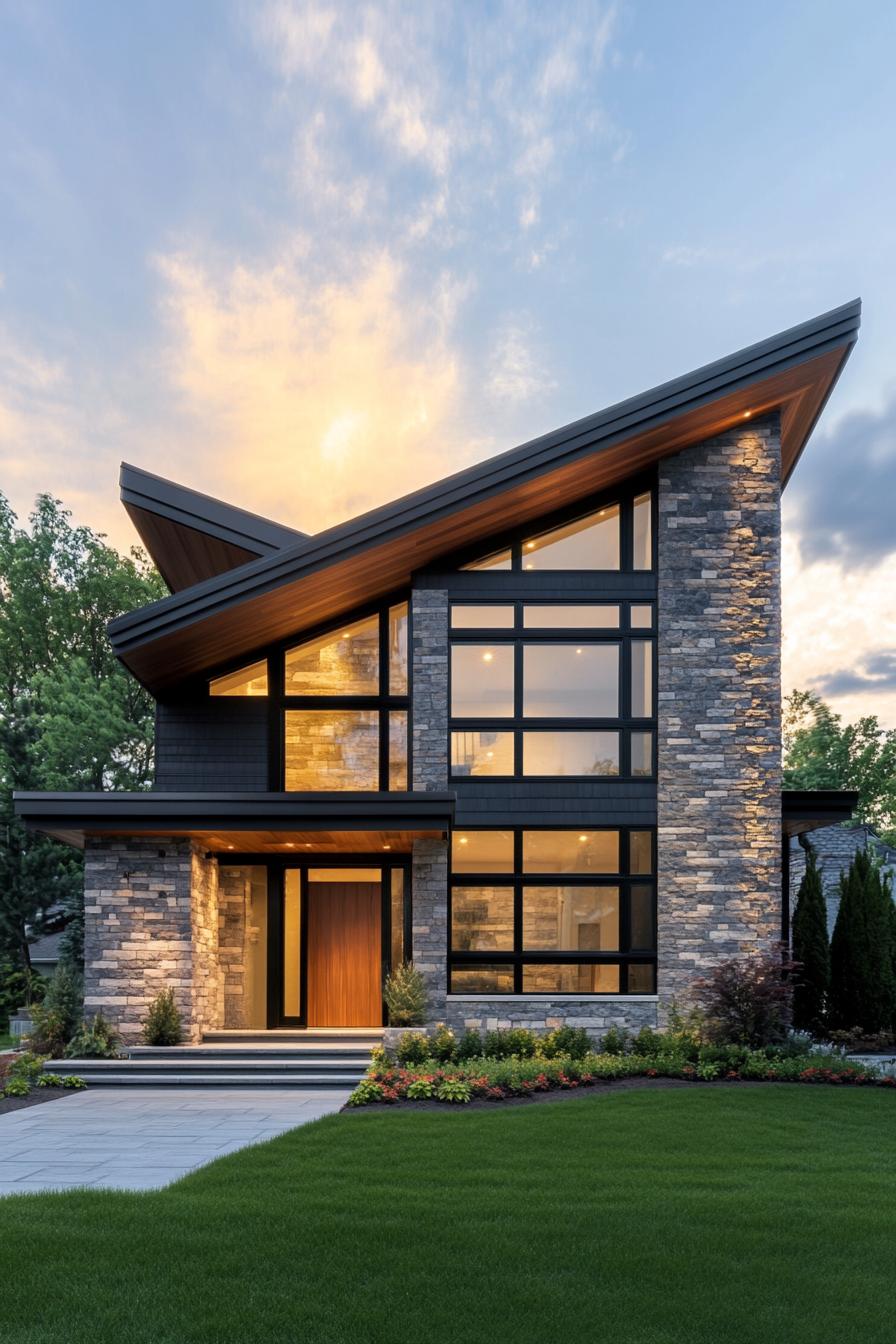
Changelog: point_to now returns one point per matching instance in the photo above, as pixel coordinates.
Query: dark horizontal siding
(212, 744)
(555, 803)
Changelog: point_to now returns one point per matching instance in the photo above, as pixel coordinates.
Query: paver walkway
(128, 1138)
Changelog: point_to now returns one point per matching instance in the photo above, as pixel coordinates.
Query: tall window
(559, 912)
(551, 690)
(345, 706)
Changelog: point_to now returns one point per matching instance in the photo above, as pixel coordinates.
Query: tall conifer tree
(863, 991)
(811, 949)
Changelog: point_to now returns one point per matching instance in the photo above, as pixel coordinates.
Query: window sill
(553, 998)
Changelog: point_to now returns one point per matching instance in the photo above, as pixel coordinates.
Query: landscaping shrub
(162, 1024)
(574, 1042)
(811, 949)
(443, 1043)
(55, 1020)
(405, 996)
(503, 1044)
(614, 1042)
(470, 1045)
(412, 1048)
(47, 1035)
(454, 1090)
(99, 1040)
(748, 1000)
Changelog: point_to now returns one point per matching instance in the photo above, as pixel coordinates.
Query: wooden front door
(344, 949)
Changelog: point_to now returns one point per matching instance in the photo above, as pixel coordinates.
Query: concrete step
(88, 1068)
(368, 1037)
(180, 1078)
(337, 1050)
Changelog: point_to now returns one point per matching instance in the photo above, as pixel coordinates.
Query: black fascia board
(202, 513)
(236, 811)
(827, 805)
(560, 447)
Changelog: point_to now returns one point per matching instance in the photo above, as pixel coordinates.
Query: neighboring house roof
(191, 536)
(363, 560)
(806, 810)
(45, 951)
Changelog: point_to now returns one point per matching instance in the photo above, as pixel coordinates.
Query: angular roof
(191, 536)
(321, 576)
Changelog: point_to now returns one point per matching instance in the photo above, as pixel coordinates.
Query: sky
(310, 256)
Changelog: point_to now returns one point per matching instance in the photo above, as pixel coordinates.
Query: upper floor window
(617, 536)
(345, 717)
(252, 680)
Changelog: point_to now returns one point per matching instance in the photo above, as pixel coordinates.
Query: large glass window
(331, 749)
(345, 707)
(591, 542)
(251, 680)
(243, 940)
(642, 533)
(482, 681)
(345, 662)
(642, 678)
(562, 911)
(571, 616)
(480, 754)
(479, 616)
(571, 681)
(547, 752)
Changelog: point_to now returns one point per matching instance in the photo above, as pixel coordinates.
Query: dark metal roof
(805, 810)
(162, 510)
(793, 371)
(72, 815)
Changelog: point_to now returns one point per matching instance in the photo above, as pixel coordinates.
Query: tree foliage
(863, 991)
(811, 950)
(821, 752)
(71, 717)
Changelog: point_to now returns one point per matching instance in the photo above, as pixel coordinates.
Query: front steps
(317, 1058)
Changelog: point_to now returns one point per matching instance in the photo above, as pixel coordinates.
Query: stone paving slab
(112, 1139)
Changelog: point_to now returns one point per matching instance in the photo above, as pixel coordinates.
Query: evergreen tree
(863, 992)
(811, 950)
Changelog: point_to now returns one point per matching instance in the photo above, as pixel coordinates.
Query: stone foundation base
(542, 1015)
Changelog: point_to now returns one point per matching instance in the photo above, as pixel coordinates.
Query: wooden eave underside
(363, 560)
(183, 555)
(290, 844)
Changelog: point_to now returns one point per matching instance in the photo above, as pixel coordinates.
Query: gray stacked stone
(150, 921)
(429, 887)
(429, 717)
(719, 703)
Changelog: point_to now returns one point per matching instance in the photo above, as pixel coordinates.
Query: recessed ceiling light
(487, 657)
(582, 838)
(747, 414)
(290, 844)
(387, 846)
(463, 840)
(530, 545)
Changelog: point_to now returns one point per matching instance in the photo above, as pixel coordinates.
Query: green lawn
(740, 1214)
(7, 1042)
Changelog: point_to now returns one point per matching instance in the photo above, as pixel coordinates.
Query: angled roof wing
(369, 556)
(191, 536)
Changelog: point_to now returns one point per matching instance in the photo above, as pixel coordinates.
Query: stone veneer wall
(719, 703)
(429, 688)
(150, 921)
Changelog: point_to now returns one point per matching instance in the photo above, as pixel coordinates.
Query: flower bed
(504, 1079)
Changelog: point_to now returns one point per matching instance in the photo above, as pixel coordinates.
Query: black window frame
(518, 636)
(517, 880)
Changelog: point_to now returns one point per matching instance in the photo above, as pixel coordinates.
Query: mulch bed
(35, 1098)
(601, 1089)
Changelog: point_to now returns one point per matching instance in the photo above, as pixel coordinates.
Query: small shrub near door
(99, 1040)
(162, 1025)
(406, 997)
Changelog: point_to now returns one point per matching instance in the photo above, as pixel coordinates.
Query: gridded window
(552, 911)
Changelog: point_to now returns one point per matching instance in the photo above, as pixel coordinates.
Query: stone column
(429, 688)
(719, 704)
(429, 886)
(150, 921)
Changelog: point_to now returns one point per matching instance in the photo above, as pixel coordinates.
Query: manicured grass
(741, 1214)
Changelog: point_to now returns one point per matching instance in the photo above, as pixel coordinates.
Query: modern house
(522, 727)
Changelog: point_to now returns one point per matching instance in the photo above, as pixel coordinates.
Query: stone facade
(429, 626)
(429, 887)
(719, 703)
(150, 921)
(628, 1012)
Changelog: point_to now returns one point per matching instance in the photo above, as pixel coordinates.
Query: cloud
(516, 373)
(313, 400)
(841, 500)
(876, 672)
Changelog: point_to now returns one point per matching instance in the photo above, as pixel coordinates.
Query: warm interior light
(747, 414)
(487, 657)
(230, 846)
(530, 545)
(582, 839)
(307, 844)
(463, 840)
(290, 844)
(387, 846)
(528, 566)
(489, 755)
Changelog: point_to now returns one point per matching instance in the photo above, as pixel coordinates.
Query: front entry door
(344, 948)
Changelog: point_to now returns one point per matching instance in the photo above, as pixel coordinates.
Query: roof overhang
(192, 537)
(364, 559)
(805, 810)
(245, 822)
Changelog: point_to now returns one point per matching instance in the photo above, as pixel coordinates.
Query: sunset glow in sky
(308, 257)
